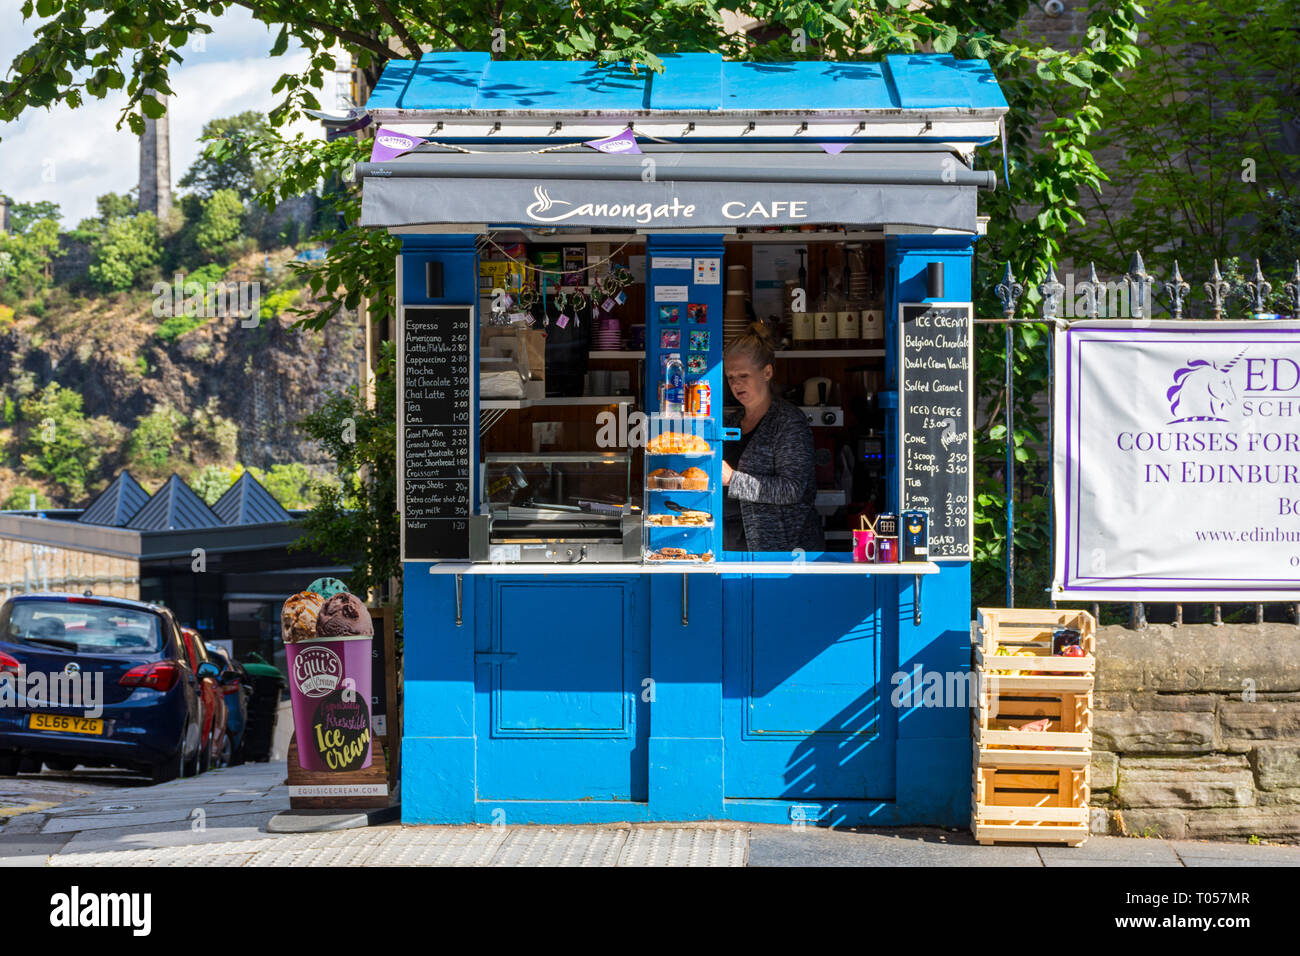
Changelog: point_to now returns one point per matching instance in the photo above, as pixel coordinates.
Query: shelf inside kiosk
(566, 362)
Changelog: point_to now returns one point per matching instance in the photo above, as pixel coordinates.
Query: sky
(73, 156)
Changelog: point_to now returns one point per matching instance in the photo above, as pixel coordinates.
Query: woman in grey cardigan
(769, 476)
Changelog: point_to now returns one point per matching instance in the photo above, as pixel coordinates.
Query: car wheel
(192, 764)
(29, 764)
(62, 764)
(173, 766)
(9, 764)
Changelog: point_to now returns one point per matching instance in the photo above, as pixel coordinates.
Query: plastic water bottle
(674, 385)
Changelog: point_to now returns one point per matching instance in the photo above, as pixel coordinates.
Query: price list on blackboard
(436, 467)
(934, 422)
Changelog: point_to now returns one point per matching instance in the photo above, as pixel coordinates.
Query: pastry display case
(678, 497)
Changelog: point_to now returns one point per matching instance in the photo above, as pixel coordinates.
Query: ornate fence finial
(1258, 290)
(1292, 288)
(1217, 289)
(1139, 281)
(1008, 292)
(1089, 288)
(1051, 290)
(1177, 289)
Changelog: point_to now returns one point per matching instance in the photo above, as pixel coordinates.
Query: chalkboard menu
(934, 422)
(435, 441)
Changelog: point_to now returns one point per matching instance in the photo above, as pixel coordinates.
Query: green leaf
(945, 41)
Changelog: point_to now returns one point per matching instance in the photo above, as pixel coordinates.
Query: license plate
(66, 725)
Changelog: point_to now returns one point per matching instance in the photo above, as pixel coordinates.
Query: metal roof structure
(248, 502)
(174, 507)
(116, 504)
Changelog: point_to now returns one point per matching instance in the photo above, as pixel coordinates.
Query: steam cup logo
(317, 671)
(543, 203)
(1202, 391)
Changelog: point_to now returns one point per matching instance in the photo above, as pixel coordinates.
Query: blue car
(237, 689)
(97, 681)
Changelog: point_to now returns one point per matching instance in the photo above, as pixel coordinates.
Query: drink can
(886, 550)
(700, 400)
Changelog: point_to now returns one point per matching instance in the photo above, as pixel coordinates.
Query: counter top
(714, 567)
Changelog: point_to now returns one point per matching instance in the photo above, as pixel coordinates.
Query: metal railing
(1139, 302)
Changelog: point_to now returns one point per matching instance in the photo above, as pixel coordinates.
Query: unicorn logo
(1202, 391)
(542, 202)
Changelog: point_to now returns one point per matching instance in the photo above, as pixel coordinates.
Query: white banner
(1176, 463)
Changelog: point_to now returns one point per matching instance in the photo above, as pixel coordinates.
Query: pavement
(220, 817)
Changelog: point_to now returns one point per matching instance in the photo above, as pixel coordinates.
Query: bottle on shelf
(847, 330)
(873, 315)
(824, 317)
(674, 402)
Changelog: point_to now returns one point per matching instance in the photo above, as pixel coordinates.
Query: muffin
(695, 479)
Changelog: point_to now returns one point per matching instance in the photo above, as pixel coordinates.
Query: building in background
(223, 570)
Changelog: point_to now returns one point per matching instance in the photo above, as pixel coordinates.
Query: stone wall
(1196, 732)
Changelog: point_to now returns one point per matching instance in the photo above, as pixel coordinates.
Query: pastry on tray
(676, 443)
(668, 554)
(683, 519)
(695, 479)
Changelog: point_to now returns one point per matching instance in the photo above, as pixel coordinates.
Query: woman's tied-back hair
(757, 343)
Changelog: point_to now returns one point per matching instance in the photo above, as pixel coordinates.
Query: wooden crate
(998, 712)
(1029, 631)
(1030, 805)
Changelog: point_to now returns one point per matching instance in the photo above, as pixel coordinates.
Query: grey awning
(686, 189)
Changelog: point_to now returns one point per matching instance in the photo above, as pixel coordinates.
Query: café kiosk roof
(902, 120)
(897, 90)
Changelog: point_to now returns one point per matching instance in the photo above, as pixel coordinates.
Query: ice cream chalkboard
(934, 422)
(435, 441)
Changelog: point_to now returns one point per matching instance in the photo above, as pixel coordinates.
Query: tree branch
(409, 41)
(372, 44)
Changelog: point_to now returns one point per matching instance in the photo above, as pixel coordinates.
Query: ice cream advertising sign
(1176, 461)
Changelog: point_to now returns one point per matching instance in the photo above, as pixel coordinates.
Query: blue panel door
(559, 666)
(806, 710)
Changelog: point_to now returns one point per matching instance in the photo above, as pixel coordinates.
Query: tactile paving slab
(680, 846)
(450, 846)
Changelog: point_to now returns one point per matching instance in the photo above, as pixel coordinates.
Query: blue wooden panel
(564, 678)
(806, 84)
(937, 80)
(559, 670)
(690, 81)
(805, 690)
(450, 80)
(560, 85)
(387, 94)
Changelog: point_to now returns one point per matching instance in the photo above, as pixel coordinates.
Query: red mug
(864, 545)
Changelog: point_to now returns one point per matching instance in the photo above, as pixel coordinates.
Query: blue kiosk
(575, 651)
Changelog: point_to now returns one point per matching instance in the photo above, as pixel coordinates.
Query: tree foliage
(238, 168)
(124, 250)
(220, 222)
(60, 443)
(355, 519)
(1197, 130)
